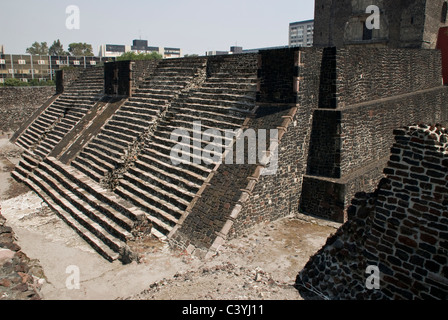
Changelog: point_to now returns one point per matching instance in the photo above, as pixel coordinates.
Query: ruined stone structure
(403, 23)
(103, 160)
(401, 228)
(100, 153)
(17, 105)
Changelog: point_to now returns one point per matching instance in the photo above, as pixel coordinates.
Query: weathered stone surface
(408, 255)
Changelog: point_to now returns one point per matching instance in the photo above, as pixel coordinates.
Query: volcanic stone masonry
(401, 228)
(99, 152)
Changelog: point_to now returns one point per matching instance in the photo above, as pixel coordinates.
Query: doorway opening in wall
(367, 34)
(444, 11)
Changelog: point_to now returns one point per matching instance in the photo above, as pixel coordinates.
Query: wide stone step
(142, 115)
(224, 115)
(130, 124)
(111, 149)
(118, 135)
(224, 96)
(212, 102)
(83, 167)
(147, 171)
(167, 210)
(155, 215)
(66, 211)
(156, 190)
(84, 210)
(116, 221)
(190, 171)
(178, 187)
(123, 130)
(98, 160)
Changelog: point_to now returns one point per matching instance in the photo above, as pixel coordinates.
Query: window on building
(444, 11)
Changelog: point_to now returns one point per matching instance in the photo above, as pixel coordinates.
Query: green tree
(57, 49)
(139, 56)
(80, 49)
(38, 49)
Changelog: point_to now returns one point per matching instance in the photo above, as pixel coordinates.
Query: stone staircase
(151, 193)
(61, 116)
(107, 152)
(164, 190)
(105, 221)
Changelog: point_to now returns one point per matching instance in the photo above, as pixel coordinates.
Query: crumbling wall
(17, 104)
(401, 229)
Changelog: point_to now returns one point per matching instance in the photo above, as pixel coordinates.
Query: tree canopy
(57, 49)
(80, 49)
(38, 49)
(139, 56)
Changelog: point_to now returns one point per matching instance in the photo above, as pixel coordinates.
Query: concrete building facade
(301, 33)
(138, 46)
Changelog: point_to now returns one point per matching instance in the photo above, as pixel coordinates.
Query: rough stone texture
(17, 104)
(64, 78)
(401, 229)
(358, 111)
(403, 24)
(18, 280)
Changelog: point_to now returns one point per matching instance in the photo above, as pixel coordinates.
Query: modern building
(233, 50)
(301, 33)
(138, 46)
(2, 49)
(42, 68)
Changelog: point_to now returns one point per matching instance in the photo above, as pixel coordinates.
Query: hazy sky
(195, 26)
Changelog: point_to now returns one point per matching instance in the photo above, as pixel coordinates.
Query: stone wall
(402, 229)
(276, 196)
(359, 107)
(366, 74)
(17, 104)
(65, 78)
(403, 24)
(117, 78)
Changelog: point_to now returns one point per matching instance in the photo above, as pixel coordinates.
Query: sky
(195, 26)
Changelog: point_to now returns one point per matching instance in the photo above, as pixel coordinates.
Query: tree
(191, 55)
(57, 49)
(38, 49)
(139, 56)
(80, 49)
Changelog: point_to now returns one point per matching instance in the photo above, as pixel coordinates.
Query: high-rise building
(301, 33)
(2, 49)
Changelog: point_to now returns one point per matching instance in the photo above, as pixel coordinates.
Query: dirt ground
(263, 264)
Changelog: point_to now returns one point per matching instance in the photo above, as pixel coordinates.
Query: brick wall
(17, 104)
(402, 229)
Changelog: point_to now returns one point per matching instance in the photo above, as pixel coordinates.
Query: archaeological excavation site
(362, 141)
